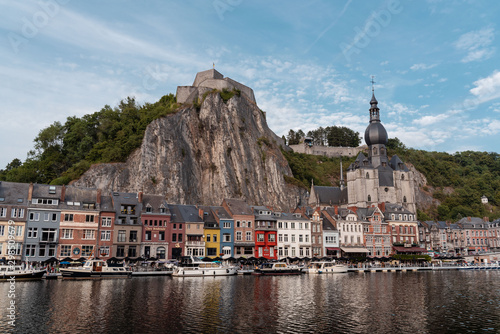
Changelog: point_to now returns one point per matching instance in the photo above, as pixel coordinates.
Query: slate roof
(396, 209)
(290, 216)
(189, 213)
(238, 207)
(258, 216)
(397, 164)
(220, 212)
(79, 196)
(208, 216)
(11, 192)
(330, 195)
(361, 162)
(106, 203)
(156, 202)
(385, 176)
(364, 213)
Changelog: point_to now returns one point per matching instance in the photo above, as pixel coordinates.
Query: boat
(325, 267)
(94, 268)
(191, 266)
(277, 268)
(18, 272)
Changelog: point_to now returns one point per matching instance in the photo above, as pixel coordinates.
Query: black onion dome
(375, 134)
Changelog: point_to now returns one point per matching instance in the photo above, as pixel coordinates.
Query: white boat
(94, 268)
(18, 272)
(193, 267)
(325, 267)
(277, 268)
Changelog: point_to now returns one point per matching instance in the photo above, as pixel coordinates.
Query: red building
(155, 218)
(106, 226)
(266, 241)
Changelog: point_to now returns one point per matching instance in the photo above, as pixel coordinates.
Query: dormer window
(149, 209)
(52, 189)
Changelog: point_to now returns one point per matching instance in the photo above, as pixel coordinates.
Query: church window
(402, 176)
(369, 198)
(382, 150)
(404, 199)
(374, 151)
(367, 175)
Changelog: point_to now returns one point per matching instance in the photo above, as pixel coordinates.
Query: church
(371, 179)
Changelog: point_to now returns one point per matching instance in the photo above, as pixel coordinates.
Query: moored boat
(277, 268)
(17, 272)
(94, 268)
(325, 267)
(193, 267)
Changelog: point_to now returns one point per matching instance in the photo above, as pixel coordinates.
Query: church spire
(374, 110)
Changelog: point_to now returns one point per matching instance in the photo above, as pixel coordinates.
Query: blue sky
(436, 63)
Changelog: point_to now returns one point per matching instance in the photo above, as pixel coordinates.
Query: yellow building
(211, 232)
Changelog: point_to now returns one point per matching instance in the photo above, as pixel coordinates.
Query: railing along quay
(421, 268)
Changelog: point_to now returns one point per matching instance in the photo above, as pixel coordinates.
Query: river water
(411, 302)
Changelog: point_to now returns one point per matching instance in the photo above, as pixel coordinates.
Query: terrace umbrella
(82, 259)
(153, 259)
(252, 259)
(306, 259)
(64, 262)
(112, 260)
(206, 259)
(263, 259)
(67, 259)
(217, 259)
(231, 259)
(315, 259)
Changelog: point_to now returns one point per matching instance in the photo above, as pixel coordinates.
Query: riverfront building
(226, 224)
(155, 218)
(13, 207)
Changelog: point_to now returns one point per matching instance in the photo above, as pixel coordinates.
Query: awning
(354, 250)
(333, 248)
(400, 249)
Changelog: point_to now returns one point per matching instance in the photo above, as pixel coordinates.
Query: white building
(294, 235)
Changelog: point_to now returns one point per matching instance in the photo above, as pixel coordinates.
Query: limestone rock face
(200, 156)
(423, 198)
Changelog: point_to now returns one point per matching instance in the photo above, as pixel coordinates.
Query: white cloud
(422, 66)
(476, 44)
(443, 80)
(430, 119)
(486, 89)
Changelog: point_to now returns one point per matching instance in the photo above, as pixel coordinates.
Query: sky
(436, 64)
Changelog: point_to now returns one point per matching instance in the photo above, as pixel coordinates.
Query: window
(238, 236)
(285, 237)
(67, 233)
(249, 224)
(14, 212)
(174, 237)
(237, 223)
(292, 225)
(301, 238)
(161, 236)
(313, 239)
(211, 251)
(3, 212)
(46, 217)
(180, 226)
(280, 224)
(260, 237)
(226, 237)
(104, 251)
(41, 251)
(248, 236)
(133, 236)
(271, 237)
(65, 250)
(30, 250)
(179, 237)
(404, 199)
(19, 231)
(160, 253)
(106, 235)
(121, 236)
(32, 232)
(280, 237)
(214, 238)
(369, 198)
(120, 251)
(149, 209)
(68, 217)
(89, 234)
(87, 250)
(106, 222)
(52, 250)
(227, 224)
(89, 218)
(132, 251)
(306, 226)
(367, 175)
(49, 234)
(293, 237)
(148, 235)
(208, 238)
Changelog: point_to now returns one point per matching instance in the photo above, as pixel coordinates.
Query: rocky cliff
(202, 155)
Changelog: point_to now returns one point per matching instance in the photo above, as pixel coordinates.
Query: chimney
(139, 196)
(381, 206)
(486, 219)
(30, 192)
(98, 196)
(468, 219)
(63, 193)
(200, 213)
(336, 210)
(353, 209)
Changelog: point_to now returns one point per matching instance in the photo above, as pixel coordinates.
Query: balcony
(195, 243)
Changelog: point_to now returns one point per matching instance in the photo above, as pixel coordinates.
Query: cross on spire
(372, 81)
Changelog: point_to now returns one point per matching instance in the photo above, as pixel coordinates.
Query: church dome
(375, 134)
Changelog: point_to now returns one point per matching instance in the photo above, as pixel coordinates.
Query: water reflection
(430, 302)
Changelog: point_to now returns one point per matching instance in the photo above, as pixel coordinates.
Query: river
(411, 302)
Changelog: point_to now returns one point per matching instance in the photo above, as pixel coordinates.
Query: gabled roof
(329, 195)
(189, 213)
(13, 192)
(155, 202)
(397, 164)
(361, 162)
(220, 212)
(238, 207)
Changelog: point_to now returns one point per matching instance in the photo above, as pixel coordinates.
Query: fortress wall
(244, 89)
(209, 74)
(327, 151)
(183, 93)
